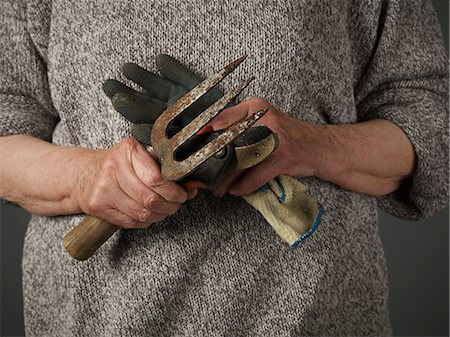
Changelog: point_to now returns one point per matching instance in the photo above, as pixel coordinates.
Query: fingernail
(193, 194)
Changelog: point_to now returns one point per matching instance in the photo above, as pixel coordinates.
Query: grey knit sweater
(216, 268)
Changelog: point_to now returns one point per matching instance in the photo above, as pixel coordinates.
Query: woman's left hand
(372, 157)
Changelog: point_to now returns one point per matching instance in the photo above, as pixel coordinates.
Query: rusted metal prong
(165, 147)
(159, 131)
(201, 120)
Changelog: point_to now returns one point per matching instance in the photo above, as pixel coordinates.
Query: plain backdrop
(417, 255)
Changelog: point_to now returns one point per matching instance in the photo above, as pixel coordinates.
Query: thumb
(254, 178)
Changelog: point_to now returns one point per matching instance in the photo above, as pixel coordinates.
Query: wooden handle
(84, 240)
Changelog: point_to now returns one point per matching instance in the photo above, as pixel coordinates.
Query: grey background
(417, 255)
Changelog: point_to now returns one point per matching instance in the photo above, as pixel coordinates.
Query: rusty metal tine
(160, 128)
(207, 115)
(176, 170)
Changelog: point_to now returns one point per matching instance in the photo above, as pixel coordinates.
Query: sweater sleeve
(406, 82)
(25, 104)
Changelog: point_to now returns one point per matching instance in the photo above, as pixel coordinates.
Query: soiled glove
(293, 215)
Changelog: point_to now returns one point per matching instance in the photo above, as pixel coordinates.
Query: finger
(139, 215)
(155, 85)
(130, 207)
(230, 116)
(192, 185)
(118, 199)
(255, 178)
(133, 187)
(192, 194)
(227, 182)
(177, 72)
(240, 111)
(112, 87)
(138, 108)
(149, 172)
(116, 217)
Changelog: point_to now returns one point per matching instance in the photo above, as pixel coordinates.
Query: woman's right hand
(123, 185)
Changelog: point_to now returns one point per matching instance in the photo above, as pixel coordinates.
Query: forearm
(39, 175)
(371, 157)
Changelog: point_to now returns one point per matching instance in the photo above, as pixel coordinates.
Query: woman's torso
(216, 267)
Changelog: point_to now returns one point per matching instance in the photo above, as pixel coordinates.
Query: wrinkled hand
(372, 157)
(123, 186)
(297, 154)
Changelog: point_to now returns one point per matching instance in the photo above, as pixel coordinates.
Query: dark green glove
(143, 108)
(159, 92)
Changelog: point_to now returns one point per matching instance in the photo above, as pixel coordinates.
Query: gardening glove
(143, 108)
(283, 202)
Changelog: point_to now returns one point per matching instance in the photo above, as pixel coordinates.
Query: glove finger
(183, 76)
(142, 132)
(138, 108)
(112, 87)
(155, 85)
(177, 72)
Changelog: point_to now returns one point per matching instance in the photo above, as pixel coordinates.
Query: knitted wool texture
(216, 268)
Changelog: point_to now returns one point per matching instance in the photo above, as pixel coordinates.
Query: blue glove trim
(266, 188)
(282, 198)
(303, 237)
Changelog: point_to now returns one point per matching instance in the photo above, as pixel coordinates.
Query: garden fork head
(165, 147)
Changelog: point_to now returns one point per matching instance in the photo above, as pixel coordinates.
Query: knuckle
(128, 143)
(126, 146)
(338, 169)
(151, 201)
(129, 224)
(155, 180)
(109, 164)
(143, 216)
(95, 201)
(92, 209)
(94, 205)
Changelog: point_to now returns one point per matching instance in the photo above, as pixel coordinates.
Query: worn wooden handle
(84, 240)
